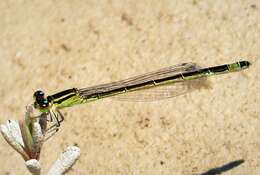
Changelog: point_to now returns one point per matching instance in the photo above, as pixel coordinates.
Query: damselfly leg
(56, 117)
(52, 118)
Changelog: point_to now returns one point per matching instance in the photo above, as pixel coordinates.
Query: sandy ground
(55, 45)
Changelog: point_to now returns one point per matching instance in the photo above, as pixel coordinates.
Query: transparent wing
(164, 92)
(162, 73)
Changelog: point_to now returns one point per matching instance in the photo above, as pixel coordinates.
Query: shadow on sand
(224, 168)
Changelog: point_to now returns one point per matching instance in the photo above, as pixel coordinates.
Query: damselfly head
(40, 101)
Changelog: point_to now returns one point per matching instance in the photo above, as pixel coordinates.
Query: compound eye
(40, 101)
(45, 103)
(38, 93)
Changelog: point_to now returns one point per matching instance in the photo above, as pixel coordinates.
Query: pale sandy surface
(54, 45)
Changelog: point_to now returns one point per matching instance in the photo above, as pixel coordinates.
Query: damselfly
(174, 75)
